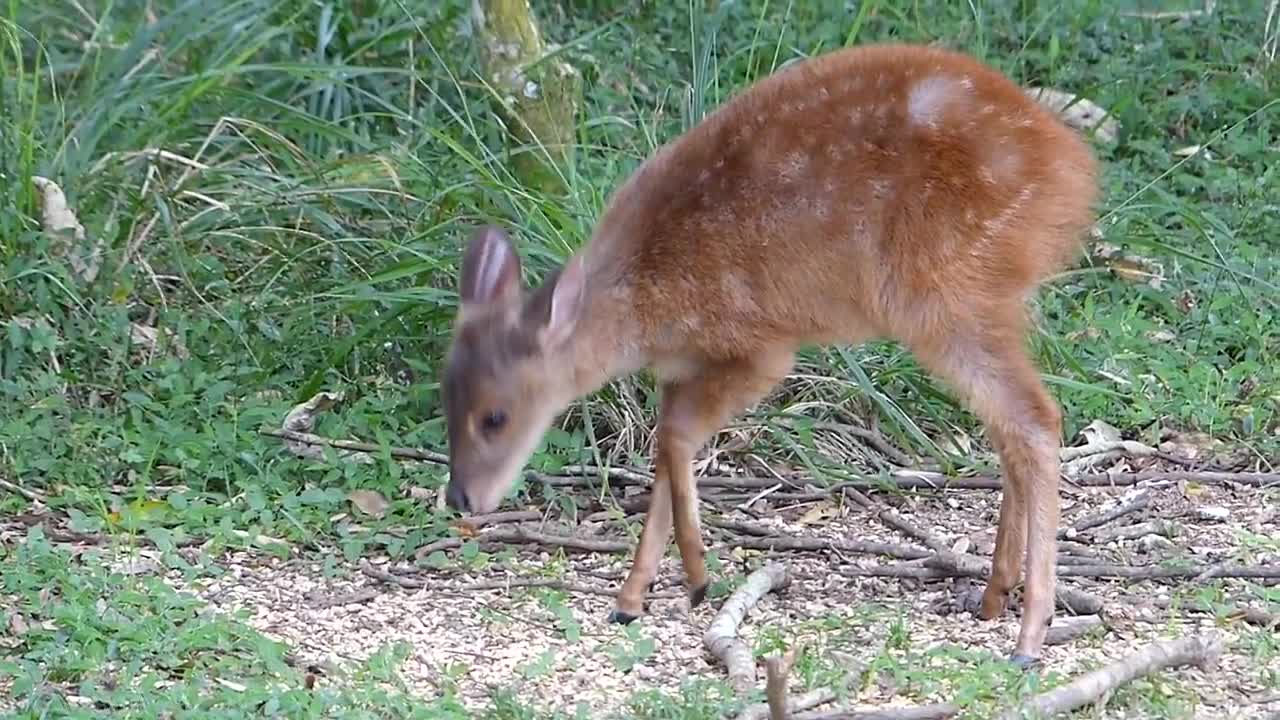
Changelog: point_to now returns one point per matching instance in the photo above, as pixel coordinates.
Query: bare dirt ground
(485, 639)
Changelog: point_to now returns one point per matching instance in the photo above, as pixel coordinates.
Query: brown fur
(887, 191)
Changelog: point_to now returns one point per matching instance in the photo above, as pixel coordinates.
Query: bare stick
(1064, 630)
(1074, 601)
(917, 712)
(1250, 615)
(721, 637)
(402, 453)
(776, 670)
(524, 536)
(1197, 650)
(1139, 502)
(27, 493)
(896, 521)
(512, 583)
(359, 596)
(1149, 572)
(853, 547)
(908, 480)
(377, 573)
(498, 518)
(1163, 528)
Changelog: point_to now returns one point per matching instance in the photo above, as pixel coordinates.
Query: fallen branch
(524, 536)
(1150, 572)
(937, 711)
(1249, 615)
(1163, 528)
(1077, 602)
(355, 597)
(551, 583)
(1197, 650)
(27, 493)
(896, 521)
(353, 446)
(589, 476)
(853, 547)
(1138, 503)
(721, 636)
(377, 573)
(498, 518)
(1064, 630)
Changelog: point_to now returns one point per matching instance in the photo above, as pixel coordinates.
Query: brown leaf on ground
(369, 502)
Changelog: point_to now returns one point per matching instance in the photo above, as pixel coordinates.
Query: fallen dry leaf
(1078, 112)
(59, 220)
(369, 502)
(819, 513)
(148, 338)
(18, 625)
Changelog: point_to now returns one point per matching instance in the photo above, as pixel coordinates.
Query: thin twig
(1196, 650)
(1148, 572)
(721, 637)
(1064, 630)
(1089, 522)
(937, 711)
(355, 597)
(896, 521)
(551, 583)
(27, 493)
(853, 547)
(1250, 615)
(377, 573)
(524, 536)
(910, 480)
(402, 453)
(498, 518)
(1163, 528)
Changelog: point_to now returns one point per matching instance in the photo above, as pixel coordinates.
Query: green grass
(324, 164)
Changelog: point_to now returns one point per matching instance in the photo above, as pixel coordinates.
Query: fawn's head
(508, 372)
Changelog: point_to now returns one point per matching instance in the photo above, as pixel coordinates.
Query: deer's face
(507, 374)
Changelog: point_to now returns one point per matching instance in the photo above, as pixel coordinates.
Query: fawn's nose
(456, 497)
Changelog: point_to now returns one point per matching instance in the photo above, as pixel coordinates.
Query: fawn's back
(881, 191)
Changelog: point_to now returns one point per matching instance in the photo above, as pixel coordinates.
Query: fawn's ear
(490, 268)
(556, 306)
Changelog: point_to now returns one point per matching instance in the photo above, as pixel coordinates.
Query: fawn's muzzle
(456, 497)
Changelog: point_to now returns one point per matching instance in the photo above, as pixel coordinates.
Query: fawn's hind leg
(693, 409)
(988, 365)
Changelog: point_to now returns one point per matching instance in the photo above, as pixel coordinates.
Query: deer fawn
(886, 191)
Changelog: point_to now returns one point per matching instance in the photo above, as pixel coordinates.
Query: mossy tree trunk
(540, 98)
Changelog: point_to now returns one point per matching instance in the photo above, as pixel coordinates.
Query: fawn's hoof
(1024, 662)
(698, 594)
(621, 617)
(993, 604)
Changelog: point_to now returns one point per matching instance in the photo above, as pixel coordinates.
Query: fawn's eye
(493, 420)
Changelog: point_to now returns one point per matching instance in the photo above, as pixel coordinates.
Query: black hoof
(1024, 662)
(619, 617)
(697, 595)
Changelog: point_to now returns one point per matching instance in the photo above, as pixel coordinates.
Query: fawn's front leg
(692, 411)
(989, 367)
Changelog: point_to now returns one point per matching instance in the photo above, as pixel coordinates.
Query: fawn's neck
(609, 339)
